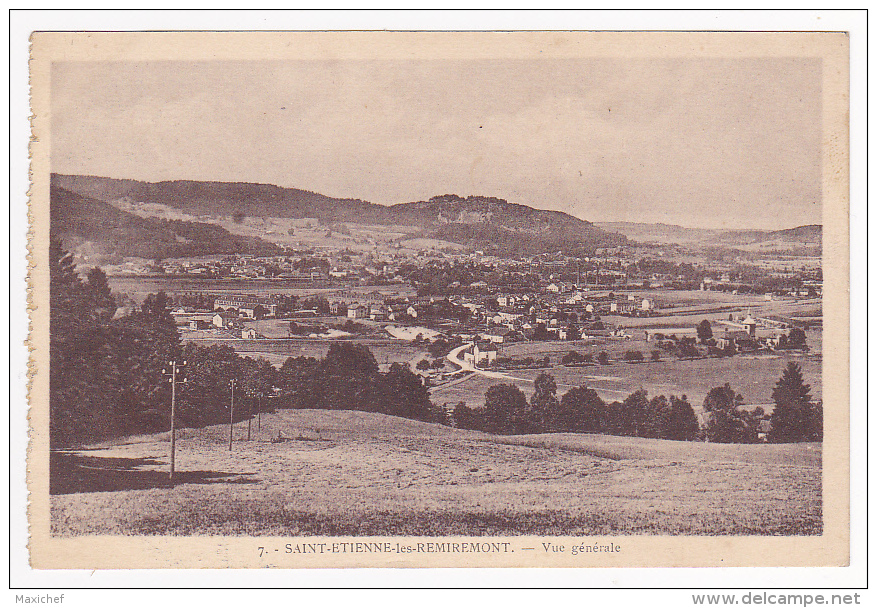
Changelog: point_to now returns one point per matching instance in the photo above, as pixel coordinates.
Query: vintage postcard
(414, 299)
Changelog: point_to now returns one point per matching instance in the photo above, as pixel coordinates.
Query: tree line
(795, 417)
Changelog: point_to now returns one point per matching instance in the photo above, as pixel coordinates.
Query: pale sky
(702, 142)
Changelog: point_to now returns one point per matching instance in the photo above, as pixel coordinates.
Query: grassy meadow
(356, 473)
(752, 376)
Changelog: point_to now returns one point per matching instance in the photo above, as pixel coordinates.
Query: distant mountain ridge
(809, 235)
(482, 222)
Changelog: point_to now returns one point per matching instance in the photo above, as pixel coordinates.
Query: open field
(354, 473)
(753, 377)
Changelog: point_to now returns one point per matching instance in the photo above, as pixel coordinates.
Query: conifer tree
(794, 417)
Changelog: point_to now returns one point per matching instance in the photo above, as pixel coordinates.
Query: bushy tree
(633, 356)
(727, 422)
(405, 395)
(581, 411)
(541, 332)
(795, 417)
(797, 338)
(294, 380)
(572, 331)
(603, 358)
(506, 410)
(655, 422)
(467, 418)
(98, 289)
(570, 357)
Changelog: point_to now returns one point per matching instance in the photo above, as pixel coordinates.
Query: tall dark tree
(632, 414)
(76, 353)
(544, 403)
(295, 379)
(704, 331)
(405, 395)
(156, 308)
(356, 358)
(794, 417)
(98, 289)
(683, 425)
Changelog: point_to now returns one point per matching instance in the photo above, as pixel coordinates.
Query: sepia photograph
(430, 299)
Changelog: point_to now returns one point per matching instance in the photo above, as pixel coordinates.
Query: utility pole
(249, 419)
(175, 370)
(259, 414)
(231, 417)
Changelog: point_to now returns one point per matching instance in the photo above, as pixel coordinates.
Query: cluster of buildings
(742, 332)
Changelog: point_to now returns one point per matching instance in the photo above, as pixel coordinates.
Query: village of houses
(490, 332)
(629, 313)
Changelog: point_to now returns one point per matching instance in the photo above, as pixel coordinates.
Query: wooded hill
(78, 220)
(487, 223)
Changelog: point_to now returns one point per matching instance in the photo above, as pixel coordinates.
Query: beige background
(831, 549)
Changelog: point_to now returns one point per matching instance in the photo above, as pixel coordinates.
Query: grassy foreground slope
(354, 473)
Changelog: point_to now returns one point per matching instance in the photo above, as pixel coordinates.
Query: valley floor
(350, 473)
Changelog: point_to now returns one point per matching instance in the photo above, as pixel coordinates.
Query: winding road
(455, 358)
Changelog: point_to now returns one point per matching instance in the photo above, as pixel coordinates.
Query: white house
(484, 353)
(357, 312)
(224, 319)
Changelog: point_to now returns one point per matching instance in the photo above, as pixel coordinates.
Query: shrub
(573, 357)
(603, 358)
(570, 357)
(633, 356)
